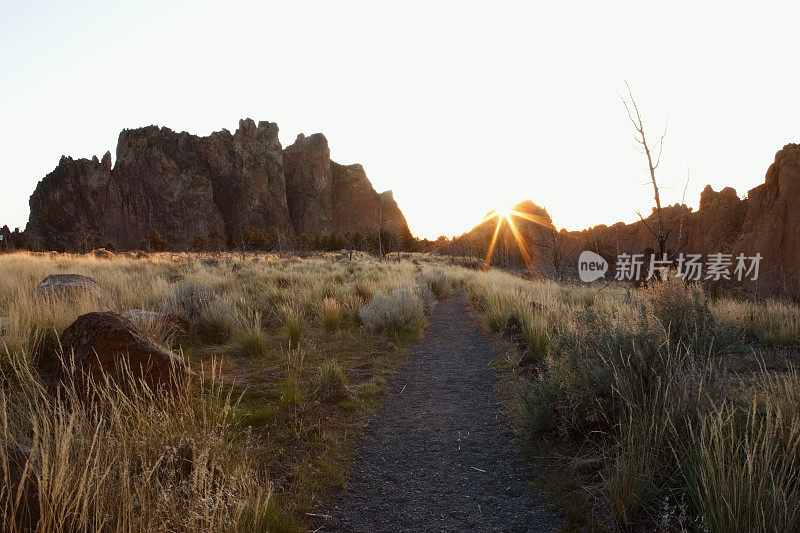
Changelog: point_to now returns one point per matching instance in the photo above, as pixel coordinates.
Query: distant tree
(390, 240)
(358, 241)
(273, 239)
(156, 241)
(333, 241)
(256, 240)
(302, 242)
(5, 239)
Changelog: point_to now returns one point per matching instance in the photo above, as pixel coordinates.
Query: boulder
(71, 286)
(102, 342)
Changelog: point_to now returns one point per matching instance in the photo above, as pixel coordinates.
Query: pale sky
(457, 107)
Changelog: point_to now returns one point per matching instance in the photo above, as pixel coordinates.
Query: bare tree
(635, 117)
(684, 209)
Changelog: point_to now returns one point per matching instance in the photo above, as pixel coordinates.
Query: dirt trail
(440, 455)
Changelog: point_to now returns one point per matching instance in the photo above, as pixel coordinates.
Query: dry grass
(127, 461)
(636, 387)
(257, 445)
(770, 323)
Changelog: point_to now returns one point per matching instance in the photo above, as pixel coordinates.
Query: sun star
(507, 214)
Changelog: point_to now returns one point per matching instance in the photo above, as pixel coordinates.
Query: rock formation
(532, 225)
(772, 225)
(766, 222)
(217, 188)
(324, 196)
(5, 239)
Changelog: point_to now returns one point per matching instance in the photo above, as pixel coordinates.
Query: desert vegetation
(653, 408)
(290, 356)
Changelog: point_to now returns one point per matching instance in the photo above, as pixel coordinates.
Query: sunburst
(507, 215)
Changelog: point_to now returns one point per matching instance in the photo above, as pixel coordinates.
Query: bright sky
(457, 107)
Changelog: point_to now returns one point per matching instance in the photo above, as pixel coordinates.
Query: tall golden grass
(126, 460)
(642, 383)
(137, 460)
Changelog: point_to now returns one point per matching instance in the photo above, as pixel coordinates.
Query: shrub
(534, 408)
(188, 299)
(683, 310)
(400, 314)
(427, 297)
(103, 253)
(198, 243)
(156, 241)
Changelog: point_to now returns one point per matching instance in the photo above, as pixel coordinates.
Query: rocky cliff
(216, 188)
(767, 222)
(325, 196)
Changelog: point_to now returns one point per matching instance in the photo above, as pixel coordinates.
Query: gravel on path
(440, 454)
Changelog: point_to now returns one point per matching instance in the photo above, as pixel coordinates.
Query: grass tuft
(400, 314)
(331, 315)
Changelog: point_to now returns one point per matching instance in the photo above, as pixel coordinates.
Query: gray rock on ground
(71, 286)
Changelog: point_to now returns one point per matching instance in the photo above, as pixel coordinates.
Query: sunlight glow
(506, 214)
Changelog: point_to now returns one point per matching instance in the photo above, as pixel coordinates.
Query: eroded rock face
(216, 188)
(307, 167)
(104, 342)
(324, 196)
(772, 225)
(767, 222)
(532, 225)
(68, 205)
